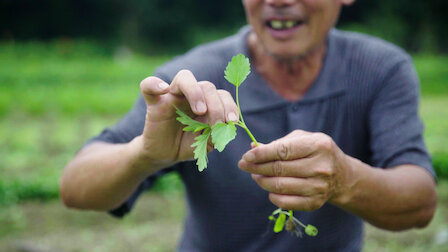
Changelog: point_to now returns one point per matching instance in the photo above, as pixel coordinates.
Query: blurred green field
(54, 96)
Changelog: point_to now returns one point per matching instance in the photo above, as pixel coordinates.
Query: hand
(301, 171)
(163, 141)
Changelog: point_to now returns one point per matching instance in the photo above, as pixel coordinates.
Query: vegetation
(415, 25)
(51, 227)
(236, 73)
(54, 96)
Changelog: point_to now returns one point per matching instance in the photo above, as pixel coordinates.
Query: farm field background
(54, 96)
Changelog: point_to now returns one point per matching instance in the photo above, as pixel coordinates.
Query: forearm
(103, 175)
(396, 199)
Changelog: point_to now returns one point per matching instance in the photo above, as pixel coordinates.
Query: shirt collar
(256, 95)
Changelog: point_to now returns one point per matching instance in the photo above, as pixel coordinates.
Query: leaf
(192, 125)
(222, 134)
(279, 223)
(311, 230)
(237, 70)
(200, 152)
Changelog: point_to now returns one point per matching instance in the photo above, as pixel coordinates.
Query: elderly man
(337, 112)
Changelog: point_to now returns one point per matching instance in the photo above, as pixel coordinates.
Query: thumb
(253, 145)
(152, 87)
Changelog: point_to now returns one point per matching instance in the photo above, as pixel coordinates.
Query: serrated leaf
(237, 70)
(200, 152)
(222, 134)
(192, 125)
(279, 223)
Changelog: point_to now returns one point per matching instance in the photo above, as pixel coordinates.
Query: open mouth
(280, 25)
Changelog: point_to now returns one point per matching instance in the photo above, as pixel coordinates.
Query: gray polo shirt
(365, 98)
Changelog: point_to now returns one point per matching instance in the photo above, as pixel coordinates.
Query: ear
(347, 2)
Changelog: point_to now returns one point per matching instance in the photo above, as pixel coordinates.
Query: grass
(51, 227)
(56, 95)
(34, 150)
(38, 79)
(433, 73)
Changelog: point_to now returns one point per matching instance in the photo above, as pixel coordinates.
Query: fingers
(202, 97)
(291, 186)
(297, 203)
(152, 87)
(230, 107)
(220, 105)
(215, 108)
(287, 148)
(185, 84)
(301, 168)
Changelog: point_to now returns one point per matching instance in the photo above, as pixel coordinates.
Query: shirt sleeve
(396, 130)
(129, 127)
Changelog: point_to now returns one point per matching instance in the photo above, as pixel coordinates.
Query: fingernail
(200, 107)
(232, 117)
(163, 85)
(249, 157)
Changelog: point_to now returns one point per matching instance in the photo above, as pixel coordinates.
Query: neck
(289, 76)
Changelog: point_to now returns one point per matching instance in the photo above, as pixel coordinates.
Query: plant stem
(279, 210)
(242, 124)
(239, 109)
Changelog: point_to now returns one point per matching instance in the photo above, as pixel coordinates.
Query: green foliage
(280, 223)
(170, 183)
(222, 134)
(140, 23)
(191, 124)
(440, 163)
(311, 230)
(404, 23)
(433, 73)
(160, 216)
(76, 77)
(200, 152)
(292, 225)
(54, 96)
(237, 70)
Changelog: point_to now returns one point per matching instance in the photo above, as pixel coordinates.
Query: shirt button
(295, 107)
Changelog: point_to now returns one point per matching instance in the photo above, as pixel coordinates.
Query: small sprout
(280, 223)
(222, 133)
(290, 224)
(311, 230)
(292, 228)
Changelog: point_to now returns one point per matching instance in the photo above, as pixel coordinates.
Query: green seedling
(292, 225)
(222, 133)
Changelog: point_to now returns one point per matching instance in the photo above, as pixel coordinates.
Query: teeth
(277, 24)
(289, 24)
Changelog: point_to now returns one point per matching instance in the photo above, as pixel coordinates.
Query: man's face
(292, 28)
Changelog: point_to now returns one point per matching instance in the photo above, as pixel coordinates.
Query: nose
(280, 3)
